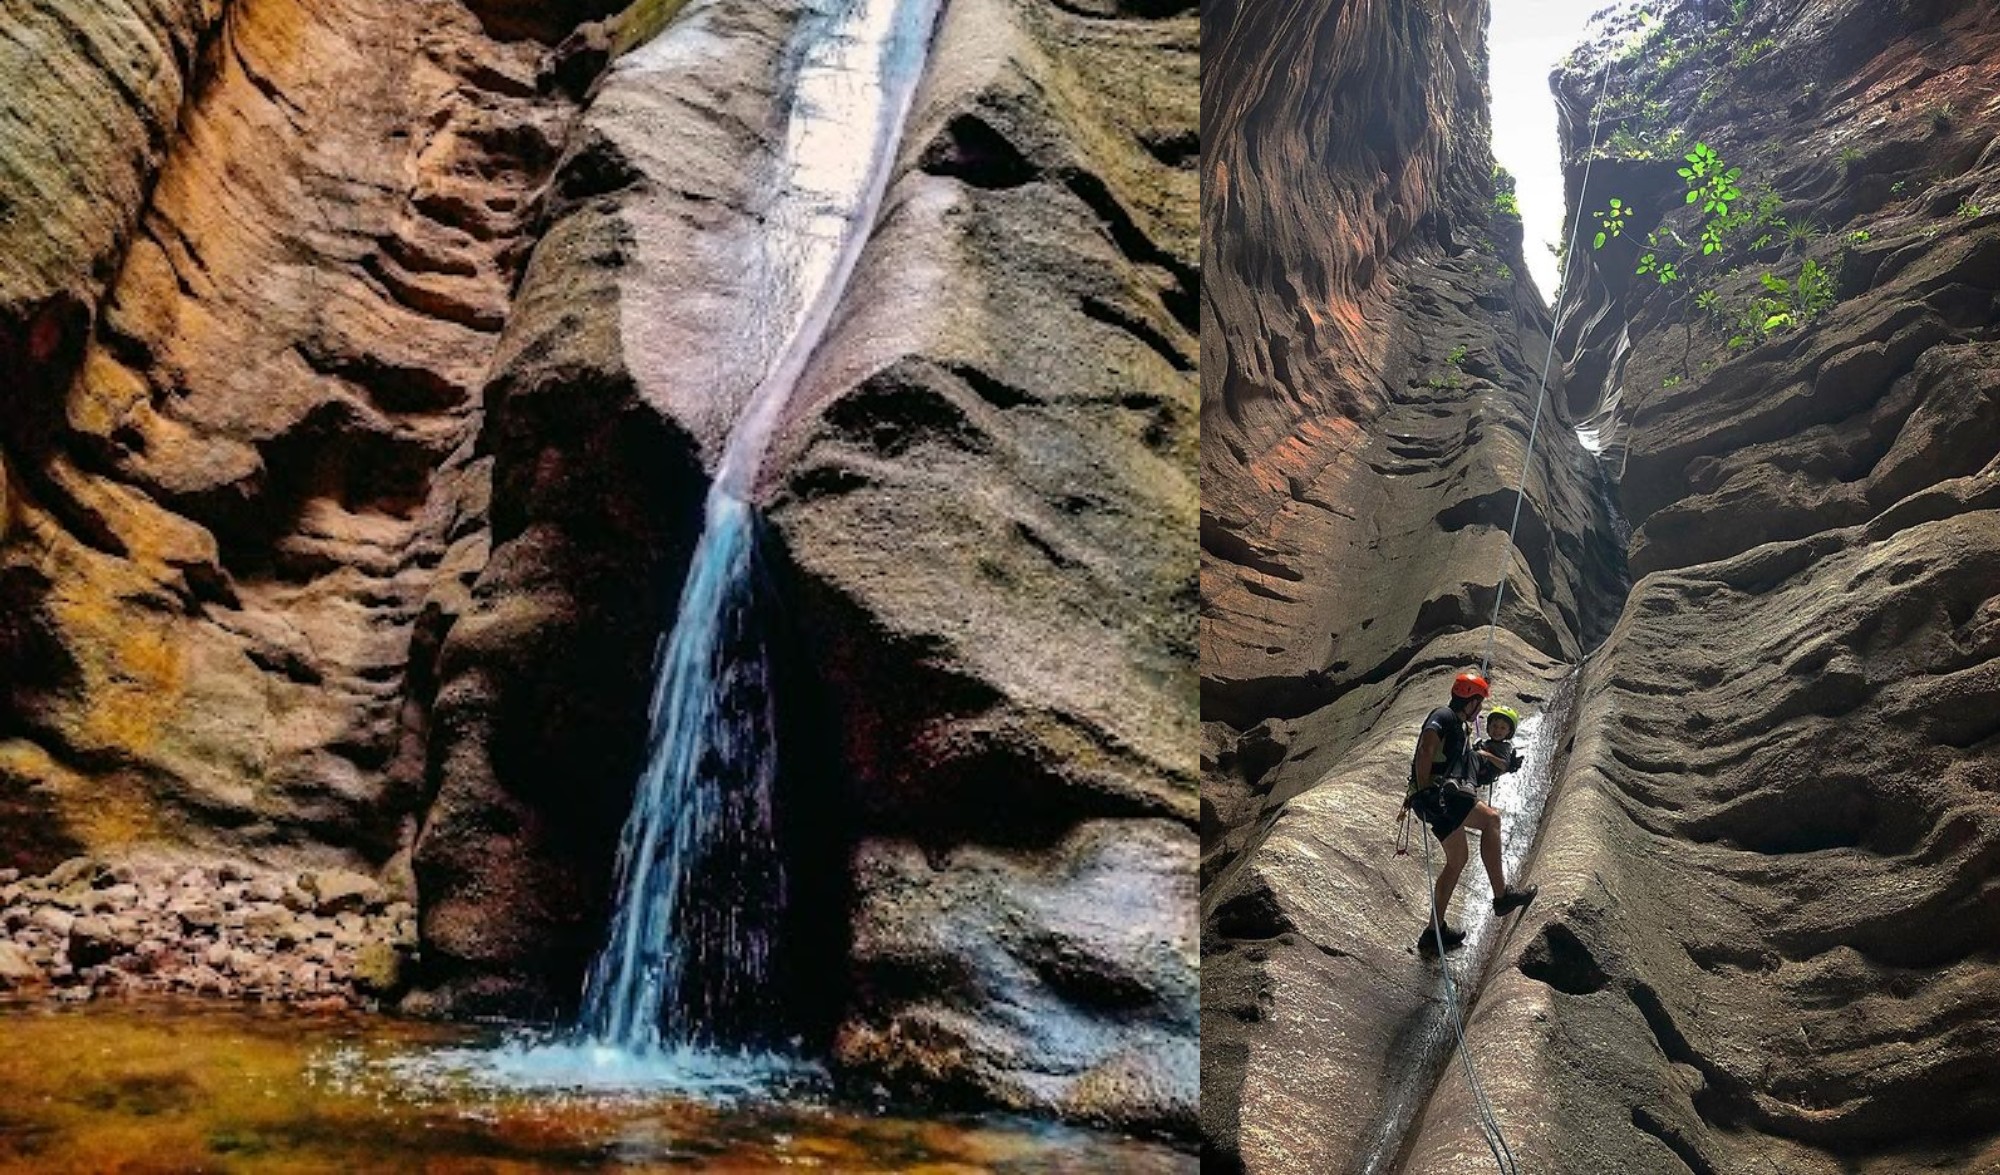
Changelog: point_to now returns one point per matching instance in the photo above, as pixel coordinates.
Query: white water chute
(677, 968)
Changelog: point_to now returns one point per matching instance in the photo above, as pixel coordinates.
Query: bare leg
(1456, 850)
(1487, 821)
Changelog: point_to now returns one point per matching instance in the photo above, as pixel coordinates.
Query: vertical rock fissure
(690, 952)
(1427, 1040)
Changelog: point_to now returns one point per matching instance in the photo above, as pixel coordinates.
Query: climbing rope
(1489, 1124)
(1541, 390)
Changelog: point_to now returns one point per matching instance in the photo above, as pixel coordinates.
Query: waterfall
(701, 884)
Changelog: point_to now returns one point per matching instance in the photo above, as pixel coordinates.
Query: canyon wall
(365, 363)
(1769, 859)
(1765, 934)
(1372, 348)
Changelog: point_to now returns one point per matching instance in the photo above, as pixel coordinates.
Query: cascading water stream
(681, 992)
(679, 967)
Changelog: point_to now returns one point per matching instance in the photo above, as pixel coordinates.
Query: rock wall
(979, 528)
(1372, 347)
(235, 448)
(1764, 938)
(365, 361)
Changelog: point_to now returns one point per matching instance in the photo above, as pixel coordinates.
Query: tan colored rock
(263, 300)
(337, 891)
(18, 968)
(100, 939)
(380, 970)
(278, 924)
(55, 920)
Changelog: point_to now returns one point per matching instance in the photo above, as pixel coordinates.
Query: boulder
(18, 968)
(99, 939)
(337, 891)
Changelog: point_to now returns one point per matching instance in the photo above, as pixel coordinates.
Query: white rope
(1489, 1123)
(1541, 391)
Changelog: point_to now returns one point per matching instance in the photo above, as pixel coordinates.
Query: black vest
(1451, 729)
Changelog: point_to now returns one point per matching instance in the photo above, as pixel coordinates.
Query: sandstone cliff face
(365, 363)
(230, 441)
(1371, 354)
(1768, 863)
(1764, 939)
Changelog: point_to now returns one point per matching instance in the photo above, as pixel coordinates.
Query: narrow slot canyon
(1752, 592)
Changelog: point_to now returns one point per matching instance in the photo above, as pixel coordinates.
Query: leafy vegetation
(1729, 222)
(1754, 50)
(1610, 223)
(1505, 202)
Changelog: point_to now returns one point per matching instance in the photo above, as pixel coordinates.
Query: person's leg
(1456, 851)
(1487, 821)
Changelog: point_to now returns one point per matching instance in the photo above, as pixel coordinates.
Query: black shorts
(1443, 807)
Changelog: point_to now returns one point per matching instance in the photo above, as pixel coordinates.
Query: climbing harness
(1541, 391)
(1489, 1125)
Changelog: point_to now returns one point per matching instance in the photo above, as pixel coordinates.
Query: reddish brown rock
(362, 390)
(1765, 938)
(1371, 362)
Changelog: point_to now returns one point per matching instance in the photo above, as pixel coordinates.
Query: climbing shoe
(1512, 899)
(1428, 943)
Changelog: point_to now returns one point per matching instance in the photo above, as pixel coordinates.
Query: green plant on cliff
(1968, 209)
(1728, 220)
(1799, 233)
(1785, 304)
(1755, 49)
(1505, 202)
(1610, 223)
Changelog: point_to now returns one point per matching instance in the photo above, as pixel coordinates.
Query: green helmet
(1512, 716)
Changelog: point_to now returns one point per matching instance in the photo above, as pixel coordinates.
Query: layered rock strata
(980, 528)
(1372, 354)
(366, 364)
(1764, 939)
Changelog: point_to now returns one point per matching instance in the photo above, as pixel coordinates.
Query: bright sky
(1527, 38)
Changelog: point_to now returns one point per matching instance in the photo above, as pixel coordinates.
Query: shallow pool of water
(192, 1086)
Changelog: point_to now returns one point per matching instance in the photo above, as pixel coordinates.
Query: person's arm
(1492, 758)
(1427, 749)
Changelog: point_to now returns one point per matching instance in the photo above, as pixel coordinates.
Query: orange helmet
(1470, 685)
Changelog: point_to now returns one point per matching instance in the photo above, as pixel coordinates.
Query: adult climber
(1441, 795)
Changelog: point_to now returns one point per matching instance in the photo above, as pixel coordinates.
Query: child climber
(1497, 755)
(1441, 794)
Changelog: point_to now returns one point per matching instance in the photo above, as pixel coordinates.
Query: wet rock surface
(366, 364)
(1764, 937)
(983, 499)
(1371, 359)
